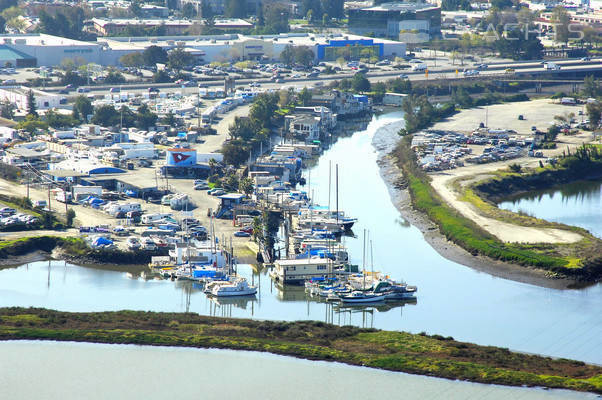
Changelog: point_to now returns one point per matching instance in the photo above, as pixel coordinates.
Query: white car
(471, 72)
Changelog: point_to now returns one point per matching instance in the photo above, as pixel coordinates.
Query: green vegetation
(73, 248)
(396, 351)
(582, 260)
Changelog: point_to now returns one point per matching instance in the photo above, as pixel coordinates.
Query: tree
(333, 8)
(561, 20)
(4, 4)
(360, 83)
(179, 58)
(263, 108)
(276, 17)
(245, 185)
(206, 10)
(70, 217)
(243, 129)
(133, 59)
(236, 8)
(591, 87)
(304, 96)
(72, 78)
(31, 104)
(32, 124)
(135, 8)
(594, 113)
(287, 56)
(304, 56)
(501, 4)
(106, 116)
(161, 77)
(7, 109)
(145, 118)
(233, 154)
(114, 77)
(82, 107)
(169, 119)
(517, 47)
(188, 11)
(153, 55)
(57, 120)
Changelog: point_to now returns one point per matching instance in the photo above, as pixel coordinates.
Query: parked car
(210, 191)
(218, 192)
(242, 234)
(201, 186)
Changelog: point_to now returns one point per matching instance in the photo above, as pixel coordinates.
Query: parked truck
(62, 196)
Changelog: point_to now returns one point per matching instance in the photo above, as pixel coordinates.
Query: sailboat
(358, 296)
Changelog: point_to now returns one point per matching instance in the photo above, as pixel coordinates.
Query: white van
(40, 203)
(419, 67)
(149, 219)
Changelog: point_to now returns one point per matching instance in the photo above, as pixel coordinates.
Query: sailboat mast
(364, 261)
(329, 183)
(372, 260)
(337, 184)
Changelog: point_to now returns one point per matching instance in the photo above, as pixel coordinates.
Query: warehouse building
(18, 96)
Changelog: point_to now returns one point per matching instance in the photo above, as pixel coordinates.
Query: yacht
(239, 287)
(358, 297)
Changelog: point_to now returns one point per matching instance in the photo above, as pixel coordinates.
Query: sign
(179, 157)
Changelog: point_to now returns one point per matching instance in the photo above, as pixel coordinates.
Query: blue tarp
(102, 241)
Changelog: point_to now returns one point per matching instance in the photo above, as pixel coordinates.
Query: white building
(18, 97)
(306, 126)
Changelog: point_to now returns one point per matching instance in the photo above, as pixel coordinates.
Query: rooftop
(401, 7)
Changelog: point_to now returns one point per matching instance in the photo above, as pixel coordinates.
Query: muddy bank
(384, 141)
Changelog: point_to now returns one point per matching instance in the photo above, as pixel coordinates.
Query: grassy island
(396, 351)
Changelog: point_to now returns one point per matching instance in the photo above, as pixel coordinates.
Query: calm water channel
(453, 300)
(577, 204)
(94, 371)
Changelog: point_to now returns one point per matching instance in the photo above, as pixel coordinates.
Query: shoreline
(384, 142)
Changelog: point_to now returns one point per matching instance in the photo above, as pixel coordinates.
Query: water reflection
(577, 204)
(453, 300)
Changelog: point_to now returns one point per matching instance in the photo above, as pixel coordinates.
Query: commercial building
(18, 97)
(397, 20)
(46, 50)
(109, 27)
(267, 47)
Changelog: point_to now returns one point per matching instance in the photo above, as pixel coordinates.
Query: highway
(443, 72)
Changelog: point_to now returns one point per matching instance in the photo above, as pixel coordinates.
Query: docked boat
(358, 297)
(239, 287)
(298, 271)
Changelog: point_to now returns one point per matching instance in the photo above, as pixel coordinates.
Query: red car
(247, 229)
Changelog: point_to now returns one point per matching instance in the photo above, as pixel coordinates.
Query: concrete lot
(539, 113)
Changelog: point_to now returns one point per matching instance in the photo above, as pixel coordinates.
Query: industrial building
(18, 97)
(267, 47)
(397, 21)
(47, 50)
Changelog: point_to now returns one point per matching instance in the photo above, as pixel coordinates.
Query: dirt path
(506, 232)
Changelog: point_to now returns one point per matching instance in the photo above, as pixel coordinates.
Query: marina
(454, 300)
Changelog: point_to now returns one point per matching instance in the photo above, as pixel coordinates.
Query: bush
(70, 217)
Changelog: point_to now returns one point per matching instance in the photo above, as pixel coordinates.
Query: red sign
(179, 157)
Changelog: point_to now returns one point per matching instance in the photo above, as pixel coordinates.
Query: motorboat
(239, 287)
(357, 297)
